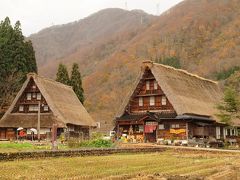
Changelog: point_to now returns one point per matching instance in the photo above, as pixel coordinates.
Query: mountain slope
(203, 34)
(91, 39)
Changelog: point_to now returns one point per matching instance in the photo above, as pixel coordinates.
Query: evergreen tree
(17, 58)
(170, 61)
(62, 74)
(229, 108)
(76, 82)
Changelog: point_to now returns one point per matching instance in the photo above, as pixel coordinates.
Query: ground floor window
(174, 126)
(161, 126)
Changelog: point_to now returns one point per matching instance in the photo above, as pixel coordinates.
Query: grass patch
(12, 146)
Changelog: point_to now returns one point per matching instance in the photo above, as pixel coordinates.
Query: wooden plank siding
(23, 101)
(142, 92)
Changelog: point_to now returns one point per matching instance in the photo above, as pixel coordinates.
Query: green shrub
(170, 61)
(94, 143)
(98, 143)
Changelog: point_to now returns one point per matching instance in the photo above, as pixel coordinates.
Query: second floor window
(21, 108)
(164, 100)
(33, 95)
(45, 107)
(155, 85)
(152, 101)
(33, 107)
(140, 101)
(147, 85)
(29, 96)
(38, 96)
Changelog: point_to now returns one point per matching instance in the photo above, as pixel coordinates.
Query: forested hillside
(203, 35)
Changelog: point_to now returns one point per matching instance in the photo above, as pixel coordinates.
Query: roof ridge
(186, 72)
(48, 79)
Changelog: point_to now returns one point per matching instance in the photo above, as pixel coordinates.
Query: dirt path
(148, 145)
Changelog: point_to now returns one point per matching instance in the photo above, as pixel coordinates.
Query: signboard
(177, 131)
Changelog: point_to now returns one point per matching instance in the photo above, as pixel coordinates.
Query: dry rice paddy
(126, 166)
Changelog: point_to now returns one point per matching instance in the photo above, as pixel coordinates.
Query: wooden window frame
(29, 96)
(147, 85)
(39, 96)
(164, 100)
(152, 101)
(175, 126)
(161, 127)
(21, 108)
(33, 108)
(140, 101)
(45, 107)
(155, 85)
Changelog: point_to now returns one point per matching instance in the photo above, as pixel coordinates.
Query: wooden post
(118, 133)
(54, 137)
(187, 130)
(38, 124)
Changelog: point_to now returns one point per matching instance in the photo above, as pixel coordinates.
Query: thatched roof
(63, 102)
(188, 93)
(29, 120)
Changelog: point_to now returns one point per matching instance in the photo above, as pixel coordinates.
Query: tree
(62, 74)
(76, 82)
(229, 108)
(17, 58)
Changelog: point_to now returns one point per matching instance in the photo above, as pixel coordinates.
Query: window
(33, 95)
(147, 85)
(218, 133)
(164, 100)
(140, 128)
(29, 96)
(45, 107)
(152, 101)
(33, 107)
(21, 108)
(140, 101)
(161, 126)
(33, 87)
(175, 126)
(155, 85)
(38, 96)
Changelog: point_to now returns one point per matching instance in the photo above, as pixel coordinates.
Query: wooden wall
(22, 101)
(142, 92)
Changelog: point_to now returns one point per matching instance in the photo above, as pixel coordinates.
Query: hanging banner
(177, 131)
(149, 128)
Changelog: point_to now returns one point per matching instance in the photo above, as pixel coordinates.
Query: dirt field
(170, 164)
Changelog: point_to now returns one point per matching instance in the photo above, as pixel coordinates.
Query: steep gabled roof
(188, 93)
(65, 106)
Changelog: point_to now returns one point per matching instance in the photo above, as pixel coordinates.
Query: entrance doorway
(150, 131)
(150, 137)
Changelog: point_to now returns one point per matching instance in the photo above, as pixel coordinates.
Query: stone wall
(72, 153)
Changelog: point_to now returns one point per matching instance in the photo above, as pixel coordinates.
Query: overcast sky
(35, 15)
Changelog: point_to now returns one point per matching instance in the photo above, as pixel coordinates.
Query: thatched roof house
(188, 93)
(59, 105)
(171, 103)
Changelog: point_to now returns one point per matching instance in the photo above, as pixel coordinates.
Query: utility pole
(126, 6)
(38, 124)
(157, 9)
